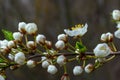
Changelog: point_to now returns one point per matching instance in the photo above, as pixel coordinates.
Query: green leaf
(1, 60)
(7, 34)
(81, 47)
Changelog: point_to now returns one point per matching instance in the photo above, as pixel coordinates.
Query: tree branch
(65, 54)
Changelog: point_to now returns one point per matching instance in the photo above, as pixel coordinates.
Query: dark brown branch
(65, 54)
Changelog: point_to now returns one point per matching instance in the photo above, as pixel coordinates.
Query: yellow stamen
(77, 27)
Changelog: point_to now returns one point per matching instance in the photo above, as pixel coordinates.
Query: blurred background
(52, 16)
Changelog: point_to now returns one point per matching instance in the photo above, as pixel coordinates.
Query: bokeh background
(52, 16)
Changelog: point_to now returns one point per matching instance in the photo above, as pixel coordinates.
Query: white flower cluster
(20, 53)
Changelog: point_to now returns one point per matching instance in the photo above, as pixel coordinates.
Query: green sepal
(81, 47)
(7, 34)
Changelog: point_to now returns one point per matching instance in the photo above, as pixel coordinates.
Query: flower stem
(65, 68)
(113, 46)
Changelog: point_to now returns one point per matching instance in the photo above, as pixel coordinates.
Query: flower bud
(31, 28)
(45, 64)
(117, 34)
(11, 56)
(61, 60)
(107, 37)
(21, 27)
(52, 69)
(48, 44)
(116, 14)
(17, 36)
(1, 77)
(89, 68)
(102, 50)
(11, 44)
(40, 39)
(104, 37)
(65, 77)
(77, 70)
(31, 45)
(62, 37)
(19, 58)
(60, 45)
(31, 63)
(3, 43)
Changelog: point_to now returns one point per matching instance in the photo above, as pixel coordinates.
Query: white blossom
(107, 37)
(77, 70)
(89, 68)
(11, 56)
(116, 14)
(102, 50)
(118, 25)
(117, 34)
(62, 37)
(3, 43)
(11, 44)
(104, 37)
(1, 77)
(61, 60)
(79, 30)
(31, 28)
(21, 27)
(45, 64)
(60, 45)
(52, 69)
(31, 45)
(40, 39)
(19, 58)
(31, 63)
(17, 36)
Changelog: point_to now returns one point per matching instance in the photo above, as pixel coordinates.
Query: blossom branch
(72, 54)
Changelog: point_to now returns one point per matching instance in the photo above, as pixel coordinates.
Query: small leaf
(7, 34)
(81, 47)
(1, 60)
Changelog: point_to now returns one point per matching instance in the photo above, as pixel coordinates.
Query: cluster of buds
(22, 51)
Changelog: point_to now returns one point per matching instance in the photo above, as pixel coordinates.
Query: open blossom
(40, 39)
(62, 37)
(20, 58)
(17, 36)
(60, 45)
(77, 70)
(61, 60)
(89, 68)
(78, 30)
(117, 34)
(107, 37)
(52, 69)
(1, 77)
(102, 50)
(31, 28)
(31, 63)
(21, 27)
(116, 14)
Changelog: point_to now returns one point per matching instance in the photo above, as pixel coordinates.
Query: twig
(72, 54)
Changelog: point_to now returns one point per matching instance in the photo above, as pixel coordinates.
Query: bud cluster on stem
(15, 53)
